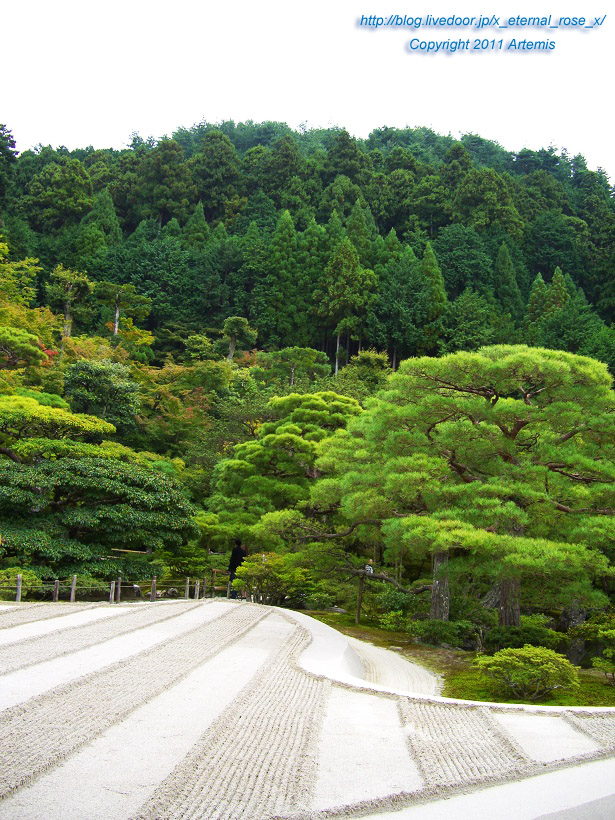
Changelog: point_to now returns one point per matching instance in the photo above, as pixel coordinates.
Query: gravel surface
(250, 712)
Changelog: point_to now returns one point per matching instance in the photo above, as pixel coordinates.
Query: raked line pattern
(266, 752)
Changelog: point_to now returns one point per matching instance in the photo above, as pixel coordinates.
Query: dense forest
(333, 349)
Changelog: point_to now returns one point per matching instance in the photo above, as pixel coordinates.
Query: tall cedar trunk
(440, 597)
(337, 354)
(357, 617)
(292, 375)
(510, 612)
(116, 322)
(394, 358)
(347, 346)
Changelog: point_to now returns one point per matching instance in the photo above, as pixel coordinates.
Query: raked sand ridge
(218, 709)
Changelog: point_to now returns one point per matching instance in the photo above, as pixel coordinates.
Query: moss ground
(455, 666)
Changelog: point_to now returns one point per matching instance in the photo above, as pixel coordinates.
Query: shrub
(393, 621)
(514, 637)
(393, 600)
(455, 633)
(607, 662)
(529, 673)
(30, 582)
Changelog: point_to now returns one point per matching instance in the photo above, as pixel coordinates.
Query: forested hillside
(192, 330)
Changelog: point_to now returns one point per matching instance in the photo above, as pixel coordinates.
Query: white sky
(81, 73)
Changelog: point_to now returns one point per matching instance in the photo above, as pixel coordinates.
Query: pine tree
(506, 288)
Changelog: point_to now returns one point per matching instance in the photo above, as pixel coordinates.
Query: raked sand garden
(222, 709)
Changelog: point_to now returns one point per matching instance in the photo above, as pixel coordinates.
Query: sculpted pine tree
(503, 457)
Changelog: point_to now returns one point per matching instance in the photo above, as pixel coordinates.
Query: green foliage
(270, 578)
(517, 636)
(30, 582)
(454, 633)
(103, 389)
(18, 348)
(606, 663)
(530, 673)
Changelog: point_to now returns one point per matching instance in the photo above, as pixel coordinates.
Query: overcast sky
(90, 73)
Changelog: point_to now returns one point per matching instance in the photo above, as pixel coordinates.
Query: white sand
(17, 687)
(258, 730)
(545, 737)
(37, 628)
(362, 752)
(120, 769)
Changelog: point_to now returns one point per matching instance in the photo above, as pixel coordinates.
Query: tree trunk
(231, 349)
(357, 616)
(337, 354)
(509, 610)
(440, 597)
(574, 616)
(292, 376)
(68, 321)
(394, 358)
(347, 346)
(116, 321)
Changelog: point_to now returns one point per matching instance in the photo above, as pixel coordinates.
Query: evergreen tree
(505, 284)
(537, 304)
(215, 168)
(167, 189)
(557, 293)
(196, 230)
(345, 292)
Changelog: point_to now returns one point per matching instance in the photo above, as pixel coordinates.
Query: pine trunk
(394, 358)
(440, 597)
(510, 611)
(357, 617)
(116, 322)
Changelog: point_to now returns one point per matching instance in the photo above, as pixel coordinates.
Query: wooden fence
(216, 582)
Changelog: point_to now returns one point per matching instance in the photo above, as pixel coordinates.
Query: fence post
(197, 584)
(152, 594)
(205, 587)
(118, 590)
(73, 589)
(56, 590)
(18, 592)
(187, 590)
(111, 591)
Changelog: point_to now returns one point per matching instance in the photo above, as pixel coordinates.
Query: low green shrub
(528, 673)
(395, 621)
(454, 633)
(30, 582)
(606, 663)
(514, 637)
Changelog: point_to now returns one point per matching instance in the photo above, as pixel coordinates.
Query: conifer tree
(557, 293)
(196, 230)
(345, 293)
(537, 304)
(506, 288)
